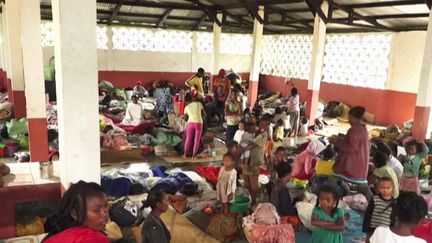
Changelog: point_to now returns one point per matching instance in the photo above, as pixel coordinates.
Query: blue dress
(321, 235)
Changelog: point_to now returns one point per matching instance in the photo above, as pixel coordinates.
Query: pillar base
(38, 139)
(312, 105)
(19, 103)
(421, 122)
(252, 93)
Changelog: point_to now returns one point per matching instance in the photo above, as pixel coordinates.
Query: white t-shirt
(396, 165)
(385, 235)
(238, 136)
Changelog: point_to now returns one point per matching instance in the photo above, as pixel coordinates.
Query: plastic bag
(16, 128)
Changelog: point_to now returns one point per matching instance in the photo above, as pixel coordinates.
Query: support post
(424, 94)
(15, 58)
(77, 89)
(318, 46)
(34, 79)
(256, 58)
(217, 32)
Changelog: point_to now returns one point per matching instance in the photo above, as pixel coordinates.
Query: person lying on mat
(134, 113)
(82, 215)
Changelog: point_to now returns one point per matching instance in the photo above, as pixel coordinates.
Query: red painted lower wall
(388, 106)
(128, 79)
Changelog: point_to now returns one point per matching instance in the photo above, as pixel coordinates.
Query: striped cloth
(381, 212)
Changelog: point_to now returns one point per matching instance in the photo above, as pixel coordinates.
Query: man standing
(196, 81)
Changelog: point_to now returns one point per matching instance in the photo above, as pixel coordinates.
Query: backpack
(126, 213)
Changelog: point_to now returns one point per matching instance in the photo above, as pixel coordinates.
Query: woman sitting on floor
(82, 215)
(134, 113)
(153, 229)
(304, 163)
(194, 116)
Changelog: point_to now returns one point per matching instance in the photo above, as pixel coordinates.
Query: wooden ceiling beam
(164, 17)
(367, 19)
(384, 4)
(285, 16)
(208, 10)
(115, 11)
(429, 3)
(315, 8)
(203, 18)
(262, 2)
(253, 10)
(150, 4)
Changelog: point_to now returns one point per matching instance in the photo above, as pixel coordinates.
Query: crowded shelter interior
(261, 121)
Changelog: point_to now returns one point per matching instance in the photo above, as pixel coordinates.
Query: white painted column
(77, 89)
(5, 47)
(256, 58)
(194, 53)
(318, 46)
(217, 32)
(2, 57)
(34, 78)
(110, 55)
(13, 23)
(424, 94)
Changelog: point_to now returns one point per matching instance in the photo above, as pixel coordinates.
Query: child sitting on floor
(280, 196)
(323, 168)
(279, 157)
(278, 131)
(409, 210)
(227, 182)
(416, 152)
(280, 114)
(247, 116)
(379, 208)
(383, 170)
(327, 217)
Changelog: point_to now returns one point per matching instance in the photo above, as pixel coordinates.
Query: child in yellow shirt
(323, 167)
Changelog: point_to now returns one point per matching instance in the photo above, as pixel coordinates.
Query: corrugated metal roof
(298, 15)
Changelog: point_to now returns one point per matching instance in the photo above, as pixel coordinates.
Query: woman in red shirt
(82, 216)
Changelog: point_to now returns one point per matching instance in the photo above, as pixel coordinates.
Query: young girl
(227, 182)
(193, 114)
(294, 111)
(379, 208)
(82, 215)
(409, 209)
(415, 154)
(327, 217)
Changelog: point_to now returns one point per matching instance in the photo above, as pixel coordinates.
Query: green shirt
(412, 167)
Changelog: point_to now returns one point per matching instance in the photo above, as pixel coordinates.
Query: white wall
(406, 59)
(161, 61)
